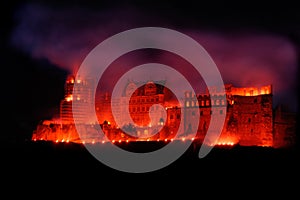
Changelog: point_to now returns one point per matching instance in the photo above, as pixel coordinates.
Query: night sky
(41, 42)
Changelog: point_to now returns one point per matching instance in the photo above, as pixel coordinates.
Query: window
(207, 102)
(221, 112)
(187, 104)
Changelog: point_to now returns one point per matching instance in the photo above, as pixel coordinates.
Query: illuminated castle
(250, 119)
(141, 103)
(248, 111)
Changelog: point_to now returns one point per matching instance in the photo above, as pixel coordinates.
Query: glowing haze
(64, 36)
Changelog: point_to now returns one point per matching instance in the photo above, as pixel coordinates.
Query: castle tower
(66, 115)
(84, 98)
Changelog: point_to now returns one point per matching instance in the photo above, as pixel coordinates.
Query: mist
(244, 57)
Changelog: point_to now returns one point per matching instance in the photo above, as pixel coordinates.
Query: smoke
(255, 59)
(64, 36)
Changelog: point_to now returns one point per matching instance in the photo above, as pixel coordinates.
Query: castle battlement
(240, 91)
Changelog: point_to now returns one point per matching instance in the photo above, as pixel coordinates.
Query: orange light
(69, 98)
(183, 139)
(103, 141)
(193, 139)
(225, 143)
(113, 141)
(172, 140)
(166, 140)
(127, 141)
(56, 141)
(120, 141)
(93, 142)
(148, 140)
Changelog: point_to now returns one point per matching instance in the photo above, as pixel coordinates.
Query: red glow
(248, 118)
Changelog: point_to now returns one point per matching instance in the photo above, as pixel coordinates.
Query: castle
(250, 119)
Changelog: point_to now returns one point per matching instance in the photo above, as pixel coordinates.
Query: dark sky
(41, 42)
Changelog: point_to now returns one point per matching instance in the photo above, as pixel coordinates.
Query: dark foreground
(39, 165)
